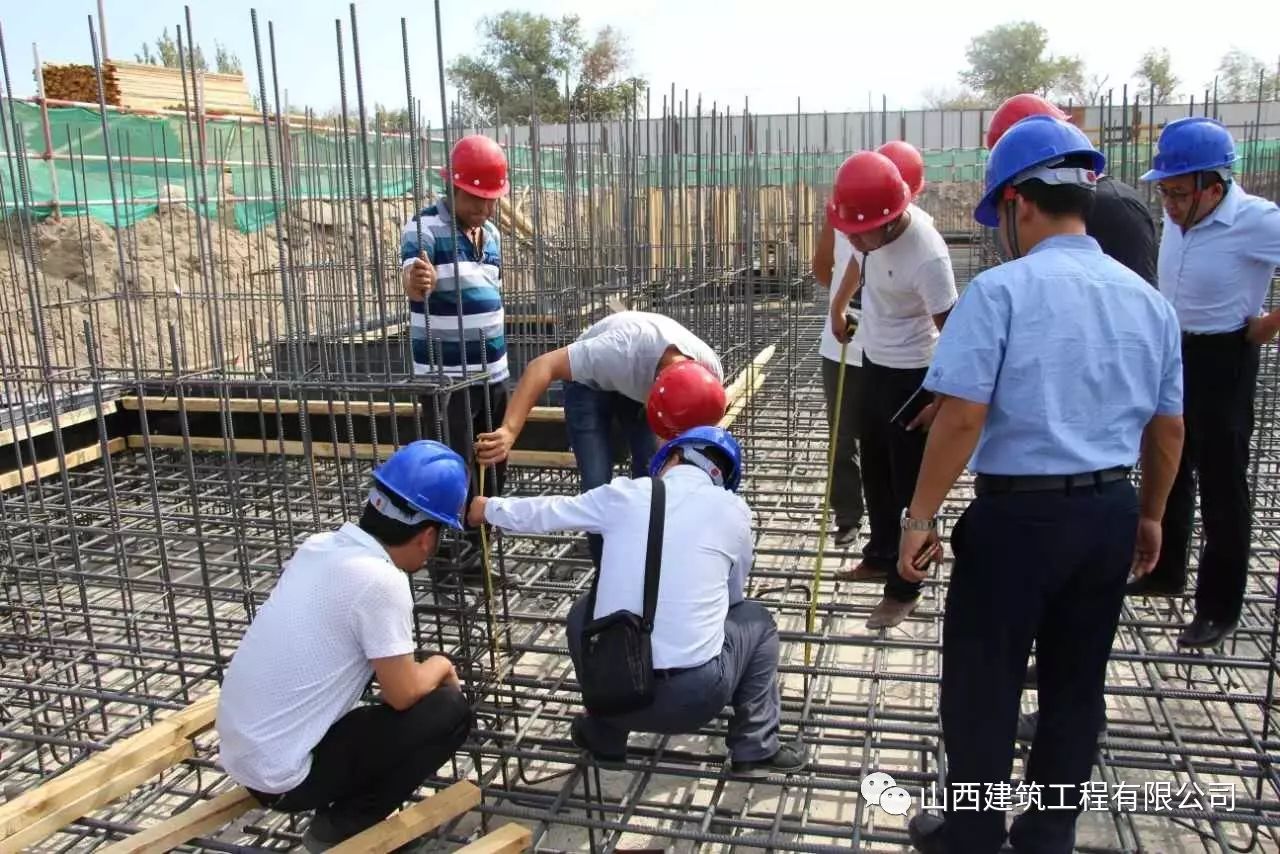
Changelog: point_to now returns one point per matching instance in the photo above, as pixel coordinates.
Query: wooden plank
(166, 835)
(413, 822)
(44, 426)
(31, 826)
(52, 797)
(735, 409)
(238, 405)
(508, 839)
(45, 468)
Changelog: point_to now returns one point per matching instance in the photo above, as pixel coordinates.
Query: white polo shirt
(907, 283)
(706, 553)
(305, 660)
(620, 353)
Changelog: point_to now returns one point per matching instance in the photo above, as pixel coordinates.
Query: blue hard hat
(704, 437)
(429, 477)
(1191, 144)
(1034, 141)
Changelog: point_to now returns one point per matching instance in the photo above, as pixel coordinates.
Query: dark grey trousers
(744, 675)
(846, 480)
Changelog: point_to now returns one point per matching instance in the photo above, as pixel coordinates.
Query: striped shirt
(475, 280)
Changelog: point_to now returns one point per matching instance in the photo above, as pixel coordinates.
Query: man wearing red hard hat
(641, 369)
(907, 287)
(1119, 221)
(455, 298)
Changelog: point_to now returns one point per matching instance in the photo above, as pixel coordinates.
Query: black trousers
(374, 758)
(1048, 567)
(891, 459)
(463, 430)
(1219, 373)
(846, 481)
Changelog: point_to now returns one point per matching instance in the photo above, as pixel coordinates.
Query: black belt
(994, 483)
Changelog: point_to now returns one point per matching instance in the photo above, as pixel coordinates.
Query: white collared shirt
(1217, 275)
(305, 660)
(706, 553)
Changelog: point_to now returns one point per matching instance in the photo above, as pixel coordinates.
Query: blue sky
(829, 54)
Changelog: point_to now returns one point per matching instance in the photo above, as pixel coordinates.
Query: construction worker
(1218, 252)
(907, 289)
(640, 369)
(288, 722)
(437, 279)
(1056, 372)
(711, 647)
(1119, 221)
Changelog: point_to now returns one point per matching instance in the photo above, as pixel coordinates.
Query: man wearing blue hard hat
(290, 728)
(1218, 253)
(1058, 371)
(677, 547)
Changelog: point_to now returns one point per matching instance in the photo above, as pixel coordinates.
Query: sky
(829, 55)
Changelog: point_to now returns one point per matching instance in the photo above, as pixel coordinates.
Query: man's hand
(925, 416)
(840, 328)
(492, 448)
(475, 513)
(1146, 549)
(419, 278)
(917, 550)
(1263, 328)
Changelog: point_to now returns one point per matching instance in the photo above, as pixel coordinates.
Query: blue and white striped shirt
(475, 279)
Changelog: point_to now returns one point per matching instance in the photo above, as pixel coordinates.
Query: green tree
(1239, 75)
(1156, 76)
(942, 98)
(166, 54)
(527, 62)
(1011, 58)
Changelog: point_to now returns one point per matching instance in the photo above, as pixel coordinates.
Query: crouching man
(711, 647)
(290, 728)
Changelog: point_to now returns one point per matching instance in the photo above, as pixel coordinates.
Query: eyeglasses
(1174, 195)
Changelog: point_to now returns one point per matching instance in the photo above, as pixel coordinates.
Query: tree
(942, 98)
(166, 54)
(526, 63)
(1086, 92)
(1156, 76)
(1011, 58)
(1239, 75)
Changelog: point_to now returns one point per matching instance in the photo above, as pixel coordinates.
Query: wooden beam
(45, 468)
(254, 405)
(413, 822)
(508, 839)
(166, 835)
(740, 403)
(45, 425)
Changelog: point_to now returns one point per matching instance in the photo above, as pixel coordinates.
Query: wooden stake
(413, 822)
(166, 835)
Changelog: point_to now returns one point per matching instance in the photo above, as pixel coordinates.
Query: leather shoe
(1204, 633)
(866, 570)
(1029, 722)
(925, 832)
(890, 612)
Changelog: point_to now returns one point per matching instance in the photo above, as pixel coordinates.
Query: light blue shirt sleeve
(1170, 401)
(1264, 241)
(971, 347)
(590, 512)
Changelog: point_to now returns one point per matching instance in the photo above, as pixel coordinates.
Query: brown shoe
(864, 571)
(890, 612)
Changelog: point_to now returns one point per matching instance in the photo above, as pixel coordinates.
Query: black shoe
(321, 835)
(1205, 634)
(1148, 586)
(925, 832)
(846, 535)
(1029, 721)
(578, 732)
(787, 760)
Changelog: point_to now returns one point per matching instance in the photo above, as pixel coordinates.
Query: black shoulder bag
(617, 658)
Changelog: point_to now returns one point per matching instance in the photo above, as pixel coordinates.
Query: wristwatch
(909, 524)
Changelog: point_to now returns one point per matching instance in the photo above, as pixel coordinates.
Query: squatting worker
(642, 370)
(1218, 253)
(1056, 372)
(438, 277)
(908, 289)
(711, 646)
(1120, 220)
(290, 728)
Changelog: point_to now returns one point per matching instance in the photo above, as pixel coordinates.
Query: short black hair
(389, 531)
(1059, 200)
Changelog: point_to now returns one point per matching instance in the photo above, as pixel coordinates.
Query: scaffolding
(185, 400)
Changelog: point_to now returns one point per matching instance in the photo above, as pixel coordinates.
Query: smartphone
(921, 398)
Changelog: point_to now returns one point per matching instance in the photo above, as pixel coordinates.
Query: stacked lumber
(78, 83)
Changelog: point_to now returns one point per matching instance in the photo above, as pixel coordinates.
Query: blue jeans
(588, 417)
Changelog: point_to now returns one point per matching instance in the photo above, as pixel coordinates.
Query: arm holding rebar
(590, 511)
(538, 375)
(417, 275)
(840, 303)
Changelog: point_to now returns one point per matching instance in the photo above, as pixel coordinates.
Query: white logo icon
(879, 789)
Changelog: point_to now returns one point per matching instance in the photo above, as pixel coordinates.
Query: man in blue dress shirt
(1056, 371)
(1218, 253)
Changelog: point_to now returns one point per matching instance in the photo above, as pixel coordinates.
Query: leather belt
(986, 484)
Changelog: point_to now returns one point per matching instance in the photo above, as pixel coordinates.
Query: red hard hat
(909, 162)
(685, 395)
(1017, 108)
(869, 192)
(479, 167)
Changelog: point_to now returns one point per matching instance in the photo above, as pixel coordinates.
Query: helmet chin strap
(692, 455)
(1011, 227)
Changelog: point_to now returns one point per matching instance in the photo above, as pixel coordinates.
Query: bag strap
(653, 554)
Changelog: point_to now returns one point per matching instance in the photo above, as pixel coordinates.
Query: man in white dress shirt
(711, 646)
